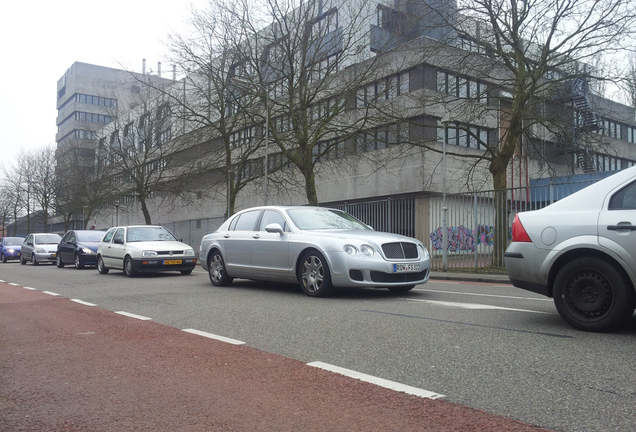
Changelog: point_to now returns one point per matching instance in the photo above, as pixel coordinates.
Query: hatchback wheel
(101, 268)
(314, 276)
(35, 260)
(22, 260)
(4, 258)
(129, 269)
(58, 261)
(217, 272)
(591, 294)
(78, 262)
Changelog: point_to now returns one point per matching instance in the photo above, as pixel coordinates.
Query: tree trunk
(144, 210)
(310, 188)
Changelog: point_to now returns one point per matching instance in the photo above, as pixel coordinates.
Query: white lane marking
(139, 317)
(50, 293)
(29, 288)
(486, 295)
(377, 381)
(13, 284)
(474, 306)
(83, 302)
(3, 281)
(213, 336)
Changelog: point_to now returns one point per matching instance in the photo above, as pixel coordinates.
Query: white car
(581, 251)
(319, 248)
(143, 248)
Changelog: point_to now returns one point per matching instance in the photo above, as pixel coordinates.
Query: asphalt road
(486, 346)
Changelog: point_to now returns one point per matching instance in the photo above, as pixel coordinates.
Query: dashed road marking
(31, 289)
(474, 306)
(486, 295)
(213, 336)
(377, 381)
(139, 317)
(13, 284)
(50, 293)
(83, 302)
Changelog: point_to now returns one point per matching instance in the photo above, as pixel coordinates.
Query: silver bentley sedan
(319, 248)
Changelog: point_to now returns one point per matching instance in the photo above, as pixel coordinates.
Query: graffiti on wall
(462, 238)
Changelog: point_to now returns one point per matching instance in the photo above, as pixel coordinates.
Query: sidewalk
(67, 366)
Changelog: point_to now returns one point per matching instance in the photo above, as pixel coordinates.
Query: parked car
(79, 247)
(144, 248)
(10, 248)
(318, 248)
(581, 251)
(39, 248)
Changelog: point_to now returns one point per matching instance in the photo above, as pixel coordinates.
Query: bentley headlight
(350, 249)
(149, 253)
(425, 254)
(367, 250)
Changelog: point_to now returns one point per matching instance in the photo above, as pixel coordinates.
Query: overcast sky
(43, 38)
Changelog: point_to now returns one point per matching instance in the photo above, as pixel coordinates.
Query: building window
(325, 24)
(463, 135)
(461, 87)
(610, 129)
(631, 134)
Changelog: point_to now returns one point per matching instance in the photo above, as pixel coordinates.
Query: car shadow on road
(340, 293)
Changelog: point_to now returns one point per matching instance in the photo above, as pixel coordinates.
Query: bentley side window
(247, 221)
(270, 217)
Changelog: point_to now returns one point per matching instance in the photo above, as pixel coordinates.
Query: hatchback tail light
(519, 233)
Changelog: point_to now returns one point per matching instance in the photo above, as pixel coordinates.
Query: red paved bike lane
(66, 366)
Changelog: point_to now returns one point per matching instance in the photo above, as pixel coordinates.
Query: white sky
(43, 38)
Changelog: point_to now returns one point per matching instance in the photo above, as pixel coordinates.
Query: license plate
(171, 262)
(401, 268)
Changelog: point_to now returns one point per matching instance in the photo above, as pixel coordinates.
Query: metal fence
(468, 224)
(390, 215)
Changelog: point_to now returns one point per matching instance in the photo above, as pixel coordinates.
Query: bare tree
(628, 83)
(6, 207)
(287, 75)
(42, 180)
(81, 186)
(144, 155)
(224, 143)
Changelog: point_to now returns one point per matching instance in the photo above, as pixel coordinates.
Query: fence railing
(466, 232)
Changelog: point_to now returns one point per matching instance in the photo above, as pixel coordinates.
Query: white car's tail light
(519, 233)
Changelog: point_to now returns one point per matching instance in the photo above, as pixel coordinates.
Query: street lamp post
(266, 161)
(116, 213)
(444, 206)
